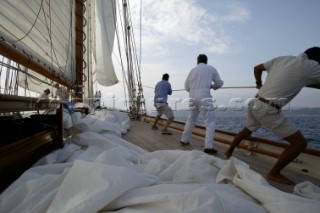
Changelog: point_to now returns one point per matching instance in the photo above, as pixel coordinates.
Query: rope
(120, 54)
(237, 87)
(22, 71)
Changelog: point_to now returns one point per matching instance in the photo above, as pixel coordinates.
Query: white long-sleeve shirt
(201, 79)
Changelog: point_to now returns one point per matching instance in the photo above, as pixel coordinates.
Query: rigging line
(142, 86)
(138, 76)
(236, 87)
(59, 30)
(129, 52)
(53, 50)
(31, 77)
(120, 54)
(116, 28)
(16, 84)
(239, 87)
(138, 73)
(25, 72)
(127, 83)
(126, 45)
(49, 28)
(118, 39)
(31, 26)
(122, 66)
(11, 79)
(7, 76)
(68, 27)
(34, 27)
(140, 57)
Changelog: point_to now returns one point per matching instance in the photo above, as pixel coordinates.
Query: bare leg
(297, 144)
(156, 121)
(169, 121)
(237, 140)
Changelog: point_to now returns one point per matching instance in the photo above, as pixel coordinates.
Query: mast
(80, 65)
(133, 106)
(134, 85)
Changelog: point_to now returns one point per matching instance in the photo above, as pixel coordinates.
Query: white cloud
(185, 22)
(237, 13)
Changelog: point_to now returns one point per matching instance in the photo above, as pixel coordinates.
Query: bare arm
(258, 74)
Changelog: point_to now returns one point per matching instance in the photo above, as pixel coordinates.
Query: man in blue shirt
(162, 90)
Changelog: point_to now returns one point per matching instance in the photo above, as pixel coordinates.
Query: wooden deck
(143, 136)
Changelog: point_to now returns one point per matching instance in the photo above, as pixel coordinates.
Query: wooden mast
(80, 9)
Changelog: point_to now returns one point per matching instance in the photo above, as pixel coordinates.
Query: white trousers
(203, 107)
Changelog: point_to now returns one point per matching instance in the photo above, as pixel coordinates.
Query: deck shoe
(211, 151)
(184, 143)
(166, 132)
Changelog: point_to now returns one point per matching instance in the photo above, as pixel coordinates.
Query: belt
(268, 102)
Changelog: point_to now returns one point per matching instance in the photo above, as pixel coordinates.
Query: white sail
(105, 32)
(34, 82)
(43, 30)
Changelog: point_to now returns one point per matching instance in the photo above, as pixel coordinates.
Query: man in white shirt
(287, 75)
(44, 95)
(200, 80)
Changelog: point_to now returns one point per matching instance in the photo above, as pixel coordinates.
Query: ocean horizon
(234, 119)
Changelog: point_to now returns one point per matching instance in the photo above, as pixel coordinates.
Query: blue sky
(234, 34)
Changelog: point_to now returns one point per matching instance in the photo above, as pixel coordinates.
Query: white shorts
(262, 114)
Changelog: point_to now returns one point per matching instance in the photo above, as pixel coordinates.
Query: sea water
(306, 119)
